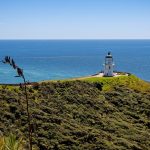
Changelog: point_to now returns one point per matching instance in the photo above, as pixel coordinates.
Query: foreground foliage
(10, 143)
(106, 114)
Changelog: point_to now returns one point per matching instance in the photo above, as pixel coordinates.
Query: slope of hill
(88, 114)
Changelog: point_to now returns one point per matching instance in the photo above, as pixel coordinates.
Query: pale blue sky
(74, 19)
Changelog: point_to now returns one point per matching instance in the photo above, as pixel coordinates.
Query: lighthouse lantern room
(109, 65)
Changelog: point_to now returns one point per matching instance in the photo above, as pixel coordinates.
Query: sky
(74, 19)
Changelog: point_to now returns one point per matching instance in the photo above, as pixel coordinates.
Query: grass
(109, 83)
(129, 81)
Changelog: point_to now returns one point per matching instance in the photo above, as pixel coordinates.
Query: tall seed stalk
(11, 62)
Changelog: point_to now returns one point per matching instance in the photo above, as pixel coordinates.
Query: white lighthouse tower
(109, 65)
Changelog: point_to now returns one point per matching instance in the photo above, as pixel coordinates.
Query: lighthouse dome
(109, 55)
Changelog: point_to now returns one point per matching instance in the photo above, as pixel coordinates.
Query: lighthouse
(109, 65)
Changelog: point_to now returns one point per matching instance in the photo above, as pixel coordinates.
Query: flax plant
(11, 62)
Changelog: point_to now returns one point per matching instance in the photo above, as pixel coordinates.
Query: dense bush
(79, 115)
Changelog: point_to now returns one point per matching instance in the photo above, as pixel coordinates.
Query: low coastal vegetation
(86, 114)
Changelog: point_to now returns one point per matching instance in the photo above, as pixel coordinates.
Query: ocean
(61, 59)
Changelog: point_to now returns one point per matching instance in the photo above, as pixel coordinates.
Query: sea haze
(60, 59)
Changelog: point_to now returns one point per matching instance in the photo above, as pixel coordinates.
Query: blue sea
(61, 59)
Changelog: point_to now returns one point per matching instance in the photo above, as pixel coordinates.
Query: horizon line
(80, 39)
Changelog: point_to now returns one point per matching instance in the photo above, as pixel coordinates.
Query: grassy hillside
(109, 83)
(88, 114)
(129, 81)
